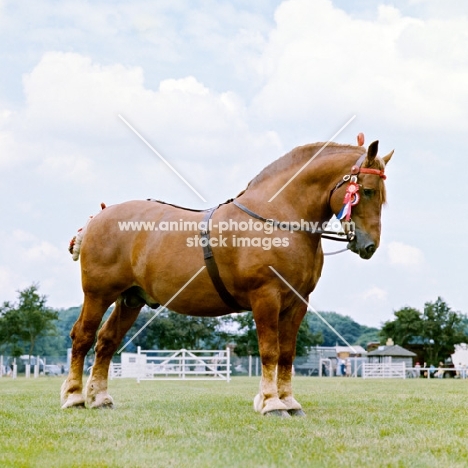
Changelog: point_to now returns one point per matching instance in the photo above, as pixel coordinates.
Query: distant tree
(246, 339)
(442, 329)
(170, 330)
(344, 325)
(56, 344)
(8, 343)
(407, 325)
(306, 337)
(368, 335)
(436, 330)
(21, 324)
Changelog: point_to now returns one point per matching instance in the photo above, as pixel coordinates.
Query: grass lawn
(350, 423)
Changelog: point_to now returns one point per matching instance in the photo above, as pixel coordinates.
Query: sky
(221, 89)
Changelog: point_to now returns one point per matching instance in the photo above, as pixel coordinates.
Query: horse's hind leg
(109, 337)
(82, 335)
(289, 324)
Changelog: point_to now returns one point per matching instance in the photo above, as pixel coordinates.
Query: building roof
(393, 350)
(355, 349)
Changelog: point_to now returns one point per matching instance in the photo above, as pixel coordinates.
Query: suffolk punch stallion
(132, 268)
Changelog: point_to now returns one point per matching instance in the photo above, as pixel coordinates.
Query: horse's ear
(372, 151)
(387, 158)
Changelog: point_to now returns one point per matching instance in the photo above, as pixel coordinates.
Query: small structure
(391, 353)
(389, 361)
(325, 360)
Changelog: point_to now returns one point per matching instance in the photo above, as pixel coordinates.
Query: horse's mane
(301, 154)
(298, 157)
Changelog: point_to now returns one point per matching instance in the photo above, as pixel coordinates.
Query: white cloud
(322, 62)
(42, 251)
(10, 282)
(71, 97)
(404, 255)
(375, 293)
(69, 167)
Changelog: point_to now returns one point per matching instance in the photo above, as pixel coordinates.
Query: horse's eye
(368, 193)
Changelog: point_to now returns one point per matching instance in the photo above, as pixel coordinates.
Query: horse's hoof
(80, 406)
(74, 401)
(102, 401)
(105, 406)
(278, 413)
(296, 412)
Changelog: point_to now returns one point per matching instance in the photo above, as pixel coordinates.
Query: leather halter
(357, 169)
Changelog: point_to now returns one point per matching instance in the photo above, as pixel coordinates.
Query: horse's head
(367, 205)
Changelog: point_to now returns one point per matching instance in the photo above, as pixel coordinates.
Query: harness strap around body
(211, 266)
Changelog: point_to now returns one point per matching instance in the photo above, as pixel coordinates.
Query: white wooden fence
(174, 365)
(383, 370)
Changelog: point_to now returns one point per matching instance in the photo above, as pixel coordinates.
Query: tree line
(29, 326)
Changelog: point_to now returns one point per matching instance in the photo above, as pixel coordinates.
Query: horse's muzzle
(363, 245)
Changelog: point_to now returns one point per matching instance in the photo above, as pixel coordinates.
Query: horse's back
(140, 243)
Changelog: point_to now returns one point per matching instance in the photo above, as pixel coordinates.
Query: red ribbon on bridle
(352, 197)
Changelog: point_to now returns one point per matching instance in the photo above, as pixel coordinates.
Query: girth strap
(211, 266)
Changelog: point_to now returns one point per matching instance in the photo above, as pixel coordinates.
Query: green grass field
(350, 423)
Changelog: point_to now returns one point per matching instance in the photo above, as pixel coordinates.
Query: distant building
(391, 353)
(311, 366)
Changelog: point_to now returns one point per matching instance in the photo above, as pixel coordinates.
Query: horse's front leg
(82, 335)
(109, 338)
(289, 324)
(266, 313)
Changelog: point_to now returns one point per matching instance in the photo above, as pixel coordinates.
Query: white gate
(383, 370)
(174, 365)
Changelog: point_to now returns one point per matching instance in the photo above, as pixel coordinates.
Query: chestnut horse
(131, 267)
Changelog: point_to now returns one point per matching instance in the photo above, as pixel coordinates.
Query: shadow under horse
(249, 250)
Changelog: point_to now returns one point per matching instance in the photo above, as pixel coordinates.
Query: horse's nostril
(370, 249)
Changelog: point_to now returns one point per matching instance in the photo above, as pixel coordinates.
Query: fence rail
(180, 364)
(384, 370)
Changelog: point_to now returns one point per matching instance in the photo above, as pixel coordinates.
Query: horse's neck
(307, 195)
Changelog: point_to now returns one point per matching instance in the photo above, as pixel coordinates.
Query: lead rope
(336, 252)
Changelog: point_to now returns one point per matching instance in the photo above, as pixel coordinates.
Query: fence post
(36, 368)
(256, 366)
(183, 364)
(1, 366)
(250, 365)
(228, 365)
(138, 363)
(15, 369)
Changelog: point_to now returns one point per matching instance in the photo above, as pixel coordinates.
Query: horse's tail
(75, 244)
